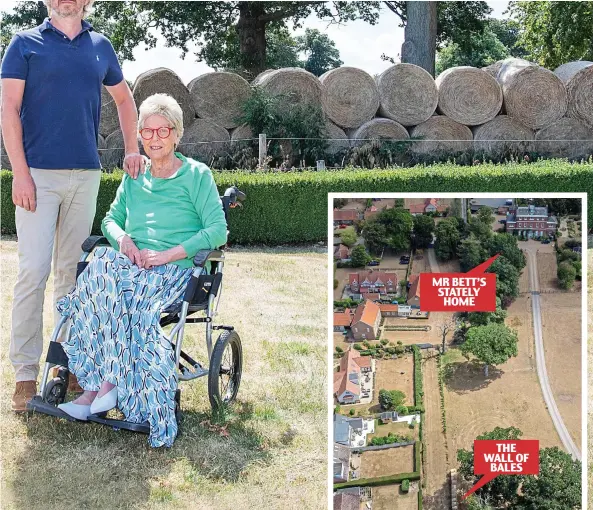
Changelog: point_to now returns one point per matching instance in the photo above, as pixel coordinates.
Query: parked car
(502, 221)
(343, 226)
(546, 241)
(404, 260)
(373, 263)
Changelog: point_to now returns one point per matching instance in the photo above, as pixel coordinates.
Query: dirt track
(436, 495)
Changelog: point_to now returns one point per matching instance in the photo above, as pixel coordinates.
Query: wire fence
(306, 153)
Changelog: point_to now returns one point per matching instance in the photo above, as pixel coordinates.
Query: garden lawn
(274, 455)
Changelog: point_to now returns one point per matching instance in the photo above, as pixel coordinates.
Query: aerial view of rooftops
(421, 371)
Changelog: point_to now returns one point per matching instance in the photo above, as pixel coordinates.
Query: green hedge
(292, 207)
(377, 481)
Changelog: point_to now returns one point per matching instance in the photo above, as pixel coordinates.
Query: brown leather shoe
(73, 385)
(25, 391)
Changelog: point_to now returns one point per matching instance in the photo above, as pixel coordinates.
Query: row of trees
(475, 242)
(397, 229)
(558, 484)
(249, 37)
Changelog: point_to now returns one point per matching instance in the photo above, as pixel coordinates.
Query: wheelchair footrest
(37, 405)
(142, 428)
(187, 374)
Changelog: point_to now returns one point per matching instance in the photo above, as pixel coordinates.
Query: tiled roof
(351, 362)
(414, 289)
(388, 308)
(346, 501)
(366, 313)
(345, 214)
(412, 278)
(343, 318)
(372, 277)
(372, 296)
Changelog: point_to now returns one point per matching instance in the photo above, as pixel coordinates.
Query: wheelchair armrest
(92, 241)
(204, 255)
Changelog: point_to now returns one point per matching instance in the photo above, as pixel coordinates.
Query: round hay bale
(468, 95)
(219, 97)
(337, 138)
(165, 81)
(407, 94)
(113, 155)
(349, 96)
(441, 135)
(378, 128)
(565, 138)
(198, 140)
(503, 136)
(493, 69)
(109, 117)
(243, 134)
(578, 79)
(300, 85)
(532, 95)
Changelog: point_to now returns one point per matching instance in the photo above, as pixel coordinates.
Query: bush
(566, 275)
(339, 350)
(336, 283)
(351, 412)
(384, 342)
(337, 408)
(267, 219)
(378, 481)
(358, 347)
(405, 485)
(401, 410)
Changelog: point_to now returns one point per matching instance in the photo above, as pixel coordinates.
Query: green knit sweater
(158, 214)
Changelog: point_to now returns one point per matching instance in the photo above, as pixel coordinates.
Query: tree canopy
(447, 239)
(555, 32)
(492, 344)
(211, 30)
(557, 486)
(359, 256)
(423, 229)
(498, 40)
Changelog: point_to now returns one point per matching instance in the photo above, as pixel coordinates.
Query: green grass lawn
(275, 452)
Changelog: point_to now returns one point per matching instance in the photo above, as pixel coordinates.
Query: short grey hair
(165, 106)
(86, 10)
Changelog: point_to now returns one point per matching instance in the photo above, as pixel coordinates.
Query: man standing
(51, 103)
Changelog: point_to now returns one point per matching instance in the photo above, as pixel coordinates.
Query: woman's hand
(152, 258)
(130, 250)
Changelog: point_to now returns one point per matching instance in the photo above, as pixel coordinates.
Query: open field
(390, 497)
(437, 492)
(510, 396)
(396, 374)
(391, 461)
(561, 322)
(275, 452)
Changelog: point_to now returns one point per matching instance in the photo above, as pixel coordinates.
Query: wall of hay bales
(512, 108)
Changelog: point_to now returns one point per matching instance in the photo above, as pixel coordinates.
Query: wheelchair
(201, 297)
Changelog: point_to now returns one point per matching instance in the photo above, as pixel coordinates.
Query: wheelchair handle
(234, 194)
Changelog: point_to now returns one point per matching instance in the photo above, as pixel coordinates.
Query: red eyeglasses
(162, 132)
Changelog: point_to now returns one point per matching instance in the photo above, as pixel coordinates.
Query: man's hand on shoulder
(134, 164)
(24, 191)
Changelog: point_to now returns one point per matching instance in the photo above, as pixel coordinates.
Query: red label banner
(474, 291)
(494, 457)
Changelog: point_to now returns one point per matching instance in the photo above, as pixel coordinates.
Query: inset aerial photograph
(414, 388)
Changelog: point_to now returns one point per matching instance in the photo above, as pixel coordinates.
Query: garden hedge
(377, 481)
(286, 208)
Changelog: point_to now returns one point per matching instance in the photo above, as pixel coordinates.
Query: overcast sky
(359, 43)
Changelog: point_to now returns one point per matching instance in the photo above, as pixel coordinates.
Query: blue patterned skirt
(115, 336)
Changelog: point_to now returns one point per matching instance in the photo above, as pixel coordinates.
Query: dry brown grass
(275, 456)
(387, 462)
(590, 372)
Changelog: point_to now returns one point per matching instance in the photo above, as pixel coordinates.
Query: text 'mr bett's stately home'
(531, 221)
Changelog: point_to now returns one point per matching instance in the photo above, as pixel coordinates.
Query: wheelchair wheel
(55, 391)
(226, 365)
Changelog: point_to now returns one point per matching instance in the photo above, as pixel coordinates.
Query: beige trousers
(66, 204)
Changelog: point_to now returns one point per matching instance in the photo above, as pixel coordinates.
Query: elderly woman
(156, 225)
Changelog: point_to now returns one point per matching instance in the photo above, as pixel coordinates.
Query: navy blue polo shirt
(61, 105)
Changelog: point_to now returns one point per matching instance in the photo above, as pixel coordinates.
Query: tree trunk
(486, 370)
(252, 37)
(420, 35)
(444, 346)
